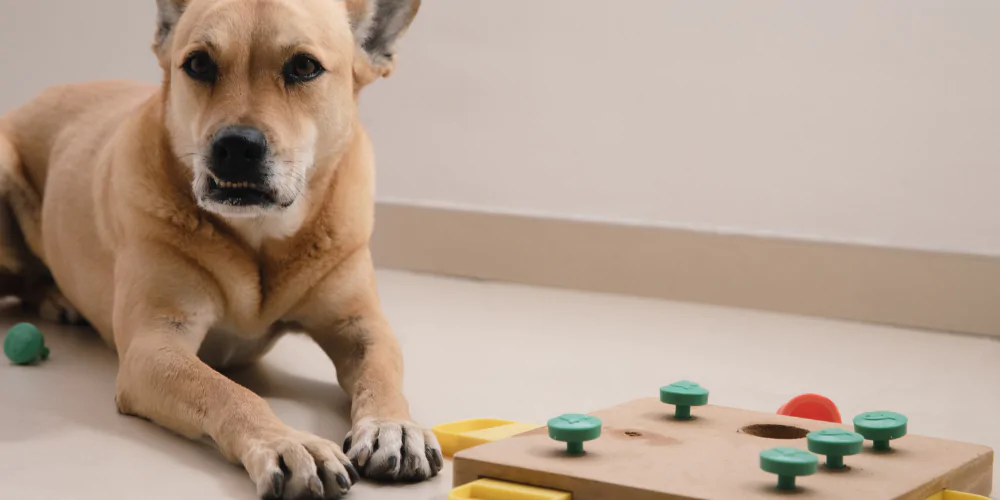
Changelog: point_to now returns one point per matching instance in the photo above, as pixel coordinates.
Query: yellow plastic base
(955, 495)
(491, 489)
(457, 436)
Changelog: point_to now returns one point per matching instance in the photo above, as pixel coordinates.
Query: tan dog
(193, 224)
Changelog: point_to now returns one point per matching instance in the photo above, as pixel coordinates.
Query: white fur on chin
(255, 225)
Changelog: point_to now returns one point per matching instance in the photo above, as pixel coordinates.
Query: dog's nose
(238, 154)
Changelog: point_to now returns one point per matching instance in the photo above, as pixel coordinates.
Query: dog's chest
(224, 348)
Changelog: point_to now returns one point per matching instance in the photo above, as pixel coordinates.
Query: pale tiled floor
(481, 349)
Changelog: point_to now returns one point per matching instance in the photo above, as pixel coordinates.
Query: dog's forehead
(280, 22)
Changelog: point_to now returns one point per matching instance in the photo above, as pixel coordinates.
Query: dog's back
(62, 117)
(59, 128)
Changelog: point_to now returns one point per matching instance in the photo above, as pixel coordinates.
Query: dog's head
(261, 93)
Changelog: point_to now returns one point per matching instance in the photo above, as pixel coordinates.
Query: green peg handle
(786, 482)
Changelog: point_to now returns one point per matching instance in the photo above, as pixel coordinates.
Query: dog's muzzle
(238, 168)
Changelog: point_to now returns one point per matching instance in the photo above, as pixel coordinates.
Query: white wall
(47, 42)
(855, 120)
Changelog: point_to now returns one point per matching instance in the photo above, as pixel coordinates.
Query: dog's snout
(238, 153)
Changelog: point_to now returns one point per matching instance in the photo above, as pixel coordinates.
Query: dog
(195, 222)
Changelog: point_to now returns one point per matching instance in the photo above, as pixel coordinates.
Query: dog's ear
(378, 25)
(168, 13)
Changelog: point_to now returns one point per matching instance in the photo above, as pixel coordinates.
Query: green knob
(880, 427)
(684, 395)
(788, 463)
(25, 345)
(573, 430)
(835, 444)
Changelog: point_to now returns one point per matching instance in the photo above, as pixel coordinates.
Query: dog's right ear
(168, 14)
(377, 26)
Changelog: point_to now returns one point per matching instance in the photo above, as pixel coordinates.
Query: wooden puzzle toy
(645, 450)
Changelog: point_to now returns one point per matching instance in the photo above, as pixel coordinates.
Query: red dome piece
(813, 407)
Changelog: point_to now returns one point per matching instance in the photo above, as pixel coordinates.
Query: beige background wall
(856, 120)
(849, 120)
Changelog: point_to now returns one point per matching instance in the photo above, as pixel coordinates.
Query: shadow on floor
(73, 392)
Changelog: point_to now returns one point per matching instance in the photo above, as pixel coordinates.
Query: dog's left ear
(378, 25)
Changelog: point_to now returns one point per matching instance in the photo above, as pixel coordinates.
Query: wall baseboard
(911, 288)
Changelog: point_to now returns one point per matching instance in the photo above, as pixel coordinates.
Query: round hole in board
(633, 434)
(775, 431)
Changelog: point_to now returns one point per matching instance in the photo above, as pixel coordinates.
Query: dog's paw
(393, 451)
(298, 465)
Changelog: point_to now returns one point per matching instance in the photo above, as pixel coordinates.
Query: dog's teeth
(234, 185)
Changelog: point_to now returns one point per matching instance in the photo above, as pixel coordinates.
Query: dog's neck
(254, 231)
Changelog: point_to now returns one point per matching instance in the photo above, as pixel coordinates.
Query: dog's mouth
(242, 194)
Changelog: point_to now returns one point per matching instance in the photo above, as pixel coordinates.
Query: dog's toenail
(277, 488)
(355, 477)
(316, 487)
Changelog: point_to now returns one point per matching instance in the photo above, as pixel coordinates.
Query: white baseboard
(911, 288)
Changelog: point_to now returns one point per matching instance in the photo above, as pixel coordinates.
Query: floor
(478, 349)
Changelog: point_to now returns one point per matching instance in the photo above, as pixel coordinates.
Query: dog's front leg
(160, 320)
(345, 319)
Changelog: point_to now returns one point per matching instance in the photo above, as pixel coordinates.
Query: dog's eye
(302, 68)
(200, 66)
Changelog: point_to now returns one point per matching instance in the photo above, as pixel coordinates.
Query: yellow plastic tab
(491, 489)
(457, 436)
(955, 495)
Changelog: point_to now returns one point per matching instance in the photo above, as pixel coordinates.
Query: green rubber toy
(835, 444)
(25, 345)
(880, 427)
(574, 430)
(683, 395)
(788, 463)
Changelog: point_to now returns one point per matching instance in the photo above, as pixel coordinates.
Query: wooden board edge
(467, 470)
(975, 477)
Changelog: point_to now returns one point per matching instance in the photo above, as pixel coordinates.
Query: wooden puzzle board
(643, 454)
